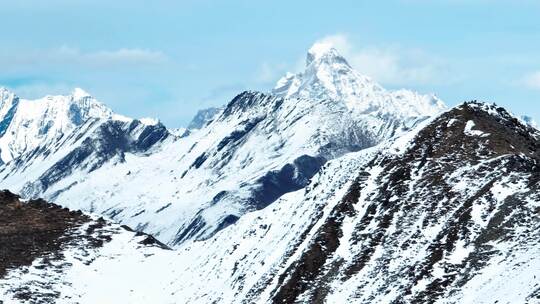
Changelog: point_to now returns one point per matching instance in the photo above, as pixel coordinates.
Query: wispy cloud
(390, 65)
(531, 80)
(269, 73)
(77, 58)
(340, 42)
(120, 56)
(33, 73)
(40, 89)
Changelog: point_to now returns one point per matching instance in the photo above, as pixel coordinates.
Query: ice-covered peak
(203, 117)
(8, 105)
(79, 93)
(77, 101)
(4, 91)
(322, 50)
(6, 96)
(89, 107)
(328, 76)
(27, 124)
(149, 121)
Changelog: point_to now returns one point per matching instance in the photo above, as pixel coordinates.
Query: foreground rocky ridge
(429, 223)
(448, 213)
(40, 240)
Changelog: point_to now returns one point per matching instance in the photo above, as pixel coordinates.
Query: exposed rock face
(449, 213)
(33, 229)
(111, 141)
(422, 224)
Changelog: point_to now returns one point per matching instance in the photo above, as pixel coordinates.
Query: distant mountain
(29, 124)
(530, 121)
(446, 213)
(241, 158)
(202, 118)
(329, 76)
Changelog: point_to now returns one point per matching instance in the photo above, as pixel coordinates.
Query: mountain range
(328, 189)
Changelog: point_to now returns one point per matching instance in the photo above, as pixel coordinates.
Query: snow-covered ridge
(232, 160)
(34, 123)
(451, 219)
(330, 189)
(28, 124)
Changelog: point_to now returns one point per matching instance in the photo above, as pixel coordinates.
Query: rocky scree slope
(39, 240)
(453, 217)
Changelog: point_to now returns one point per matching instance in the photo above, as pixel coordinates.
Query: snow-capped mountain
(29, 124)
(329, 76)
(447, 213)
(241, 158)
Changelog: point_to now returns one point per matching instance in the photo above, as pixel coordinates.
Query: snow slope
(437, 216)
(238, 159)
(28, 124)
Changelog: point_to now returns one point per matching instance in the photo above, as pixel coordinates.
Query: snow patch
(470, 132)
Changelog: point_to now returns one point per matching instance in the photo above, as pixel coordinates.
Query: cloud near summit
(397, 66)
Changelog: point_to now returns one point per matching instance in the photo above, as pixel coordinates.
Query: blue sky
(167, 59)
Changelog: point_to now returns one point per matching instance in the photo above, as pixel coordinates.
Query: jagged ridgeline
(329, 189)
(188, 185)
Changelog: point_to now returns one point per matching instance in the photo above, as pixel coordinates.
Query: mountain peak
(4, 90)
(325, 76)
(328, 76)
(6, 94)
(26, 124)
(79, 93)
(321, 50)
(473, 130)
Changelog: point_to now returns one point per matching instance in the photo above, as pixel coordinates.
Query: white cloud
(74, 58)
(394, 66)
(40, 89)
(120, 56)
(269, 73)
(339, 41)
(35, 73)
(390, 65)
(531, 81)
